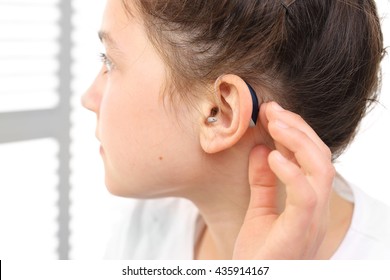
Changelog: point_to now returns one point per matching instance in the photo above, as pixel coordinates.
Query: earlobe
(236, 106)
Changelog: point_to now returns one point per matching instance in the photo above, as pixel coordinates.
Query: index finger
(273, 111)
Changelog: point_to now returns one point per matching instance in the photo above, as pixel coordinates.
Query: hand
(302, 162)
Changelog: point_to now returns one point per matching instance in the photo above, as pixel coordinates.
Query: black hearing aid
(255, 106)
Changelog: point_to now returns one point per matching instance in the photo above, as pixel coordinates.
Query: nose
(92, 97)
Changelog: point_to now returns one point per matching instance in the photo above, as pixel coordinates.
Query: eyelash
(107, 62)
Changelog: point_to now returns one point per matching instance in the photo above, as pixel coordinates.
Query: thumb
(262, 183)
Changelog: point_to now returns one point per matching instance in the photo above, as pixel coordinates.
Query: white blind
(29, 48)
(34, 125)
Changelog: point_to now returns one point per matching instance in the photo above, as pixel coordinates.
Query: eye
(107, 62)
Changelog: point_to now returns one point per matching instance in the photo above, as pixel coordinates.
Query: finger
(264, 122)
(263, 116)
(313, 164)
(262, 183)
(273, 111)
(306, 211)
(308, 154)
(301, 201)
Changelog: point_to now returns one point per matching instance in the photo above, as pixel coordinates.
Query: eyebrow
(105, 37)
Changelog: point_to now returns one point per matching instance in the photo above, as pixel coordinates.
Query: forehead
(114, 15)
(120, 29)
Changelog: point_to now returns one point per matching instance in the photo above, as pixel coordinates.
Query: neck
(222, 200)
(223, 214)
(224, 210)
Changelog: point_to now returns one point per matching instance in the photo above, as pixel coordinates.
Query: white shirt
(158, 229)
(168, 228)
(368, 236)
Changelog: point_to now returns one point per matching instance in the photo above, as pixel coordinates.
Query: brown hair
(318, 58)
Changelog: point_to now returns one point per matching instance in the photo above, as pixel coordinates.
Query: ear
(232, 110)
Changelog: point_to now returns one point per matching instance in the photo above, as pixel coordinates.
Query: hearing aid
(212, 119)
(255, 106)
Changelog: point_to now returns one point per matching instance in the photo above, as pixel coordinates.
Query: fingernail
(277, 107)
(280, 157)
(281, 124)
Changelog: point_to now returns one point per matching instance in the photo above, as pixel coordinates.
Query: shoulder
(369, 234)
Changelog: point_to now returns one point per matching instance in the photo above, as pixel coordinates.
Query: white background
(93, 209)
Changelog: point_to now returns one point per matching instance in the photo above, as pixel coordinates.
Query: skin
(281, 198)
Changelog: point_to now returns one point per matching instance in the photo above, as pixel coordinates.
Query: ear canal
(212, 119)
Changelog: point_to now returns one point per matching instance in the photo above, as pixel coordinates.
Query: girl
(190, 90)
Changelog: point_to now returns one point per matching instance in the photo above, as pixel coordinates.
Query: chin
(132, 190)
(120, 190)
(117, 187)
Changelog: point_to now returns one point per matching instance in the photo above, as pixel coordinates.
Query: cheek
(132, 115)
(125, 121)
(140, 140)
(145, 148)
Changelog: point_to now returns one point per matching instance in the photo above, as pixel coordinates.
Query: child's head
(318, 58)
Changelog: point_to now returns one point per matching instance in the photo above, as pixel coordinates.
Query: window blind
(34, 128)
(29, 50)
